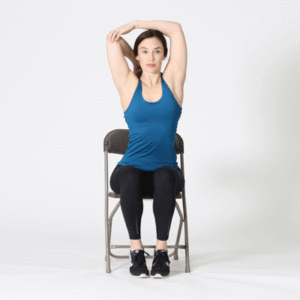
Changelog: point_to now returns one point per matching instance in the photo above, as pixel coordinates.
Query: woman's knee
(129, 177)
(165, 176)
(114, 181)
(181, 180)
(168, 176)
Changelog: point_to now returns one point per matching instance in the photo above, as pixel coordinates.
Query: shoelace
(139, 255)
(161, 258)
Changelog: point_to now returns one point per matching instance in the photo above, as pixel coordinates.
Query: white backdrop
(240, 125)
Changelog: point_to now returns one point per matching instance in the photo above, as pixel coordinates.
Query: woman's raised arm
(166, 27)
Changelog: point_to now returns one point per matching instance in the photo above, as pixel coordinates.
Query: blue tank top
(152, 130)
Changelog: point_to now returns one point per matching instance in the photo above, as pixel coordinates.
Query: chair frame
(116, 141)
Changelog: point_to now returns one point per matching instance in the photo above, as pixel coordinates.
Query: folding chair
(116, 141)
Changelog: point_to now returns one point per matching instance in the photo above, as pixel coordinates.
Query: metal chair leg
(179, 231)
(107, 257)
(187, 255)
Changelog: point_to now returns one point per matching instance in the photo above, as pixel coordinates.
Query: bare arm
(166, 27)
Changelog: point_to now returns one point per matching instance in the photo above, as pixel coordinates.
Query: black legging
(162, 184)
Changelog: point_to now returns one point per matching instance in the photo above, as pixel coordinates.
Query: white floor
(60, 269)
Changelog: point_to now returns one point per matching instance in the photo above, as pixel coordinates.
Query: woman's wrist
(134, 24)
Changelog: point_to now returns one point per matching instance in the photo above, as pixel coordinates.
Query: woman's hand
(114, 35)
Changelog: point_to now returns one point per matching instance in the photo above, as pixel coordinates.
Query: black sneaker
(160, 264)
(138, 263)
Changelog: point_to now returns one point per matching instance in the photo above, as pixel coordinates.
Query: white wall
(239, 121)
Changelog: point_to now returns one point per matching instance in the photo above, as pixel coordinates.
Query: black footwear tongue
(136, 250)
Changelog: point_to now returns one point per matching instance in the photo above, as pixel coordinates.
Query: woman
(152, 105)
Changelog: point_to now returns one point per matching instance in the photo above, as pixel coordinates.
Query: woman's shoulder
(176, 86)
(127, 90)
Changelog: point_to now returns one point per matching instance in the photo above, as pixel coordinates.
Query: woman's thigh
(145, 178)
(174, 174)
(115, 178)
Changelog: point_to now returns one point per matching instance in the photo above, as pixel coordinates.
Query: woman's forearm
(127, 51)
(166, 27)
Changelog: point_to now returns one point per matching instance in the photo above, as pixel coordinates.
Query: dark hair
(144, 35)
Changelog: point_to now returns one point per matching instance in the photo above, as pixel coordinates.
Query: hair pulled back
(144, 35)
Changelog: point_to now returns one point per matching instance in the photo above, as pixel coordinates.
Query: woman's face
(151, 51)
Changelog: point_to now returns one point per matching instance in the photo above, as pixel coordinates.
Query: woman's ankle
(136, 244)
(161, 245)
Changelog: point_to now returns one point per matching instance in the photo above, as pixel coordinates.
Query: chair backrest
(116, 141)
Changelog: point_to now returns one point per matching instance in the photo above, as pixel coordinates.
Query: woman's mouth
(150, 65)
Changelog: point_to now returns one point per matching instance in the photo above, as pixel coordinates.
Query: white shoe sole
(159, 276)
(156, 276)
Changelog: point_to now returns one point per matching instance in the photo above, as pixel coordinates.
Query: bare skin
(137, 244)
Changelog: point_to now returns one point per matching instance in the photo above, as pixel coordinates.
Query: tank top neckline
(161, 88)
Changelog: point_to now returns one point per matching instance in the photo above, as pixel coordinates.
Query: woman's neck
(151, 81)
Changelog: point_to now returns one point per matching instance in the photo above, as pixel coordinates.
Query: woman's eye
(146, 51)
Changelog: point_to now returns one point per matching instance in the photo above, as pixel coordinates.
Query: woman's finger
(114, 36)
(111, 36)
